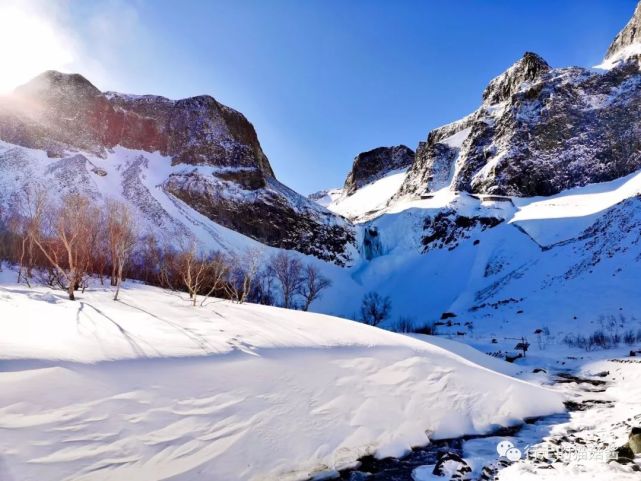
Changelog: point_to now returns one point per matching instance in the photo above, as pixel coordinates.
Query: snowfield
(371, 197)
(578, 446)
(152, 389)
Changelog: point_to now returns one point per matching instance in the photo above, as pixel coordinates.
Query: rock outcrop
(627, 41)
(374, 164)
(540, 130)
(68, 117)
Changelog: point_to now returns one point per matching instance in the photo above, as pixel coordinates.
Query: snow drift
(150, 389)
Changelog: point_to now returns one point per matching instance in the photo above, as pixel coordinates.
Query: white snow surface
(623, 54)
(590, 436)
(564, 216)
(369, 198)
(326, 197)
(149, 388)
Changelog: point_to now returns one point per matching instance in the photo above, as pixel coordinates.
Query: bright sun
(28, 45)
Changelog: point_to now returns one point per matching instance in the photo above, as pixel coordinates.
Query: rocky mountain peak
(627, 42)
(376, 163)
(556, 129)
(60, 112)
(218, 168)
(529, 68)
(52, 84)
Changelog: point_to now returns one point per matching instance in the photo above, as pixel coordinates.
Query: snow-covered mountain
(530, 201)
(627, 43)
(464, 228)
(538, 131)
(375, 164)
(373, 180)
(520, 223)
(191, 167)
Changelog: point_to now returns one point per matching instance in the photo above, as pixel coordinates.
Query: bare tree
(242, 273)
(313, 284)
(263, 289)
(375, 309)
(217, 272)
(121, 239)
(66, 236)
(193, 271)
(25, 219)
(288, 271)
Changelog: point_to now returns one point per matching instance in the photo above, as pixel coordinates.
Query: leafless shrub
(312, 285)
(375, 308)
(288, 272)
(121, 239)
(242, 273)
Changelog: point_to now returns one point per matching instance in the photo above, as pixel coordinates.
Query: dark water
(478, 450)
(400, 469)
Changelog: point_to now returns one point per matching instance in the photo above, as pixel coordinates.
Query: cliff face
(68, 112)
(564, 128)
(232, 182)
(374, 164)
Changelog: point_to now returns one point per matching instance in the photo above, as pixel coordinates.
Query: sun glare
(29, 45)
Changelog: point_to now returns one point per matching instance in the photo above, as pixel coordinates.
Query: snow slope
(564, 216)
(132, 176)
(150, 388)
(569, 262)
(371, 197)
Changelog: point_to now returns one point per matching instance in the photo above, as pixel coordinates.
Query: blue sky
(324, 80)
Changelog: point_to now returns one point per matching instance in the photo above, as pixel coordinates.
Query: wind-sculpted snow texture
(150, 388)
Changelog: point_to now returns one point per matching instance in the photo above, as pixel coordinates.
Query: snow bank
(150, 388)
(566, 215)
(370, 197)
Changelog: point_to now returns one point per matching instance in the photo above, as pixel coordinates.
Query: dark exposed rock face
(435, 158)
(68, 112)
(446, 229)
(374, 164)
(539, 131)
(271, 215)
(64, 113)
(530, 68)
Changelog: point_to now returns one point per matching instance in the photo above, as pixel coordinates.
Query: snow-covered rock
(540, 130)
(377, 163)
(627, 43)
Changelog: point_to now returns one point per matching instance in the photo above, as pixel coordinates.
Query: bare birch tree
(121, 239)
(217, 272)
(193, 271)
(288, 271)
(242, 274)
(66, 236)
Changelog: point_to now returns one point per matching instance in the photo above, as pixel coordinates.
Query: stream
(475, 457)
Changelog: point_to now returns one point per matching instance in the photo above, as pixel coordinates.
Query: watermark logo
(506, 449)
(546, 452)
